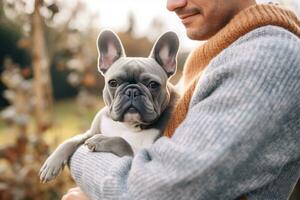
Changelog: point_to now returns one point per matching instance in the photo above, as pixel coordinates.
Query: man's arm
(241, 130)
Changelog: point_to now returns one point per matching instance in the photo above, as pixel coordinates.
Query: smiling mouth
(187, 18)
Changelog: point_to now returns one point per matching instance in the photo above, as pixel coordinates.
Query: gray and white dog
(138, 96)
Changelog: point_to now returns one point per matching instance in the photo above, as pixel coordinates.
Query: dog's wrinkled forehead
(134, 68)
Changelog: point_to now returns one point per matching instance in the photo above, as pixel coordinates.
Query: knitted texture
(240, 137)
(247, 20)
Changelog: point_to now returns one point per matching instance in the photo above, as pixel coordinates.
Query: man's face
(203, 18)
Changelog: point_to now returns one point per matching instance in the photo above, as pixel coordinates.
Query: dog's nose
(132, 92)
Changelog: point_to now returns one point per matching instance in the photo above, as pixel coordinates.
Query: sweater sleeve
(242, 128)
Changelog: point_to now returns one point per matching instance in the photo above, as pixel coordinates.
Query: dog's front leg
(56, 161)
(115, 145)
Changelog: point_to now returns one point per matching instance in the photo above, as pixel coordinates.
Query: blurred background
(50, 88)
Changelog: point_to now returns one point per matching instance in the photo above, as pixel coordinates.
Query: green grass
(69, 119)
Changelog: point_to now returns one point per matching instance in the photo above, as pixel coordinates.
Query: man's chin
(195, 33)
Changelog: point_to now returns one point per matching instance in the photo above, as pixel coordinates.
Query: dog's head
(136, 89)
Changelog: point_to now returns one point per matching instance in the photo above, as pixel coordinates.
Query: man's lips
(186, 18)
(186, 14)
(183, 16)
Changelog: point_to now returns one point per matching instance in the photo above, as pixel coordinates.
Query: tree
(40, 63)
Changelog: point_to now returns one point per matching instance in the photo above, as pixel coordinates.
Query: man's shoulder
(269, 34)
(266, 42)
(260, 50)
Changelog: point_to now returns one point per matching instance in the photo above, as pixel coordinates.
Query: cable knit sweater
(249, 19)
(240, 136)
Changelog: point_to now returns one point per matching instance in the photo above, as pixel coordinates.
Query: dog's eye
(113, 83)
(153, 85)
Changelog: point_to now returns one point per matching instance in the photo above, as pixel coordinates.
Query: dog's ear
(110, 49)
(165, 52)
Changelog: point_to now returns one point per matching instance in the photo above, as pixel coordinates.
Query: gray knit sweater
(241, 135)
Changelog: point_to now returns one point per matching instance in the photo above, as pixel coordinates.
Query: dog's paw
(50, 169)
(115, 145)
(94, 143)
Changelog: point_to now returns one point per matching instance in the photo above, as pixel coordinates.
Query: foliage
(21, 160)
(20, 163)
(21, 155)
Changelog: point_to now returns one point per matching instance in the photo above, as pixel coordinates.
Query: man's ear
(165, 52)
(110, 49)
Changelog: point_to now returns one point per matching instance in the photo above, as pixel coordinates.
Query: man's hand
(75, 194)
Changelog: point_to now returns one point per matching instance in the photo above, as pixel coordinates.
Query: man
(236, 129)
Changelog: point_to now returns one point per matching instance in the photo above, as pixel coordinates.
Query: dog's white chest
(137, 138)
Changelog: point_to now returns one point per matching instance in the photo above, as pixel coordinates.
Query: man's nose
(172, 5)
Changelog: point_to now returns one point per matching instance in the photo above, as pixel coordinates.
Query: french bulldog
(139, 100)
